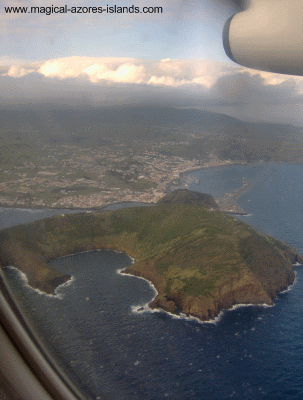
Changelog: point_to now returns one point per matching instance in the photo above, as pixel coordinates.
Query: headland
(199, 259)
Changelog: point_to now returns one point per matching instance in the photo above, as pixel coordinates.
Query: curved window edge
(27, 370)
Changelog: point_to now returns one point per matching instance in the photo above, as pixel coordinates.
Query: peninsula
(200, 259)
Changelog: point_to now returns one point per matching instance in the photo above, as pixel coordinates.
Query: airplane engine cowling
(267, 35)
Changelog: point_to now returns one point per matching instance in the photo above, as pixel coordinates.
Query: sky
(174, 58)
(185, 29)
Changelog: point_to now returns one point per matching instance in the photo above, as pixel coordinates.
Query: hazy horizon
(174, 58)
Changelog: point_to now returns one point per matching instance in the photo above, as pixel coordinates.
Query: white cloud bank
(187, 83)
(174, 73)
(166, 72)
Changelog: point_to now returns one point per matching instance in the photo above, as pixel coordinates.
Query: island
(199, 259)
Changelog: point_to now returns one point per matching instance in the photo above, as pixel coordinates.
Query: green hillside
(186, 197)
(187, 133)
(199, 260)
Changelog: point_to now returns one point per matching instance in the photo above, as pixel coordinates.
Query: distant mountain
(67, 120)
(188, 133)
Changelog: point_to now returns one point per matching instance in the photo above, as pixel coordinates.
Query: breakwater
(228, 203)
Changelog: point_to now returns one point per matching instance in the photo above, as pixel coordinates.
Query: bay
(115, 352)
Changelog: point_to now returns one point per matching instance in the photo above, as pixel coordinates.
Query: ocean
(94, 329)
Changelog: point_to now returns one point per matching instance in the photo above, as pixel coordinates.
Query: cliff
(200, 261)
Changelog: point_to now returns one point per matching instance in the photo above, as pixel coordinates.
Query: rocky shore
(244, 289)
(199, 259)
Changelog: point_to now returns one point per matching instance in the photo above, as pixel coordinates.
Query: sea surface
(94, 328)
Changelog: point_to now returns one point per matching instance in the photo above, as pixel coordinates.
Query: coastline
(217, 317)
(233, 289)
(148, 307)
(94, 209)
(166, 306)
(167, 190)
(23, 277)
(163, 300)
(101, 207)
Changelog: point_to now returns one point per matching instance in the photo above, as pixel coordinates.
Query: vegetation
(186, 197)
(191, 253)
(174, 132)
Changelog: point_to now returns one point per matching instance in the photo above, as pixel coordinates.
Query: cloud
(248, 87)
(167, 81)
(125, 73)
(187, 83)
(19, 69)
(166, 72)
(233, 83)
(123, 70)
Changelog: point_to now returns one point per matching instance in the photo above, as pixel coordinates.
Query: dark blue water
(118, 353)
(274, 200)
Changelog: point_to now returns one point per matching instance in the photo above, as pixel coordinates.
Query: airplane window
(150, 204)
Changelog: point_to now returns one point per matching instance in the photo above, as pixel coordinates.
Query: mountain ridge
(189, 133)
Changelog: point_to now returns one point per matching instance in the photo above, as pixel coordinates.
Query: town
(69, 176)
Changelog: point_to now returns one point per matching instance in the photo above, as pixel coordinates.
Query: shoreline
(95, 209)
(23, 277)
(228, 202)
(168, 189)
(146, 307)
(101, 208)
(175, 302)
